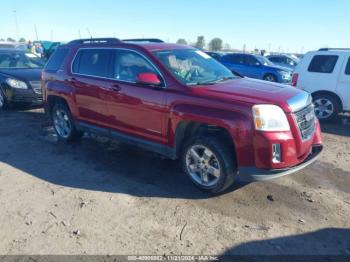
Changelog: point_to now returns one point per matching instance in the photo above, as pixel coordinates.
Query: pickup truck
(179, 102)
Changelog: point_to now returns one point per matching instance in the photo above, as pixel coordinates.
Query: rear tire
(63, 123)
(209, 163)
(327, 107)
(270, 78)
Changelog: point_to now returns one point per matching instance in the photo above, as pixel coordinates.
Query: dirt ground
(100, 197)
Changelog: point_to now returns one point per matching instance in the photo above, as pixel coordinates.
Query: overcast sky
(277, 24)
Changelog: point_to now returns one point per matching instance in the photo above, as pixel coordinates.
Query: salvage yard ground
(101, 197)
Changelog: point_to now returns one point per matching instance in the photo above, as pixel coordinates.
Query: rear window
(347, 69)
(323, 64)
(56, 60)
(94, 62)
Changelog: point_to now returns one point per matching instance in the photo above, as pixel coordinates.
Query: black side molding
(139, 142)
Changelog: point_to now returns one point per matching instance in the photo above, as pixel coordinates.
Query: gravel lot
(100, 197)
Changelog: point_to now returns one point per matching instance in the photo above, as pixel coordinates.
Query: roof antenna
(87, 29)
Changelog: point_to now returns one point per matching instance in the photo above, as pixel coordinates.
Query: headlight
(285, 74)
(16, 83)
(270, 118)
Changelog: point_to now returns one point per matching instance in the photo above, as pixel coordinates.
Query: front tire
(64, 124)
(209, 163)
(270, 78)
(326, 107)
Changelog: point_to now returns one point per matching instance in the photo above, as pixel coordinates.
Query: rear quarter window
(323, 64)
(347, 69)
(56, 60)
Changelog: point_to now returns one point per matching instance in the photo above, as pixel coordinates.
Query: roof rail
(328, 49)
(94, 41)
(144, 40)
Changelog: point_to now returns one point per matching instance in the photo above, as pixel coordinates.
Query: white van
(326, 75)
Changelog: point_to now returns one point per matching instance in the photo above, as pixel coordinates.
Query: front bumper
(27, 96)
(256, 174)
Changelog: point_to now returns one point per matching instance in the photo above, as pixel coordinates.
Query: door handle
(116, 88)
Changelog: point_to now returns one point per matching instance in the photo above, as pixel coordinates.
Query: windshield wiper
(224, 79)
(204, 83)
(212, 82)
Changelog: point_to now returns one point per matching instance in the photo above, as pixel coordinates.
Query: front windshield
(263, 60)
(194, 67)
(19, 60)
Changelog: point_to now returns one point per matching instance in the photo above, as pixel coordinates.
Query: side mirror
(148, 79)
(257, 64)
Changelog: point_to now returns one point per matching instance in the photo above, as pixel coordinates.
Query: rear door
(343, 88)
(91, 72)
(234, 62)
(321, 73)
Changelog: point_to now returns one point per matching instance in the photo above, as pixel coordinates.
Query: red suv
(177, 101)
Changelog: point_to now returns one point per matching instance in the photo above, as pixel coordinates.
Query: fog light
(276, 153)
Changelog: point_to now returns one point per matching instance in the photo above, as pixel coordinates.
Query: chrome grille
(305, 119)
(36, 85)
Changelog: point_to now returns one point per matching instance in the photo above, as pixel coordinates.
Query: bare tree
(181, 41)
(10, 39)
(215, 44)
(200, 44)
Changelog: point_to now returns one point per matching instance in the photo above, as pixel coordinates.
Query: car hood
(22, 74)
(253, 91)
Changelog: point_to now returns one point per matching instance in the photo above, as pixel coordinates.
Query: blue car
(255, 66)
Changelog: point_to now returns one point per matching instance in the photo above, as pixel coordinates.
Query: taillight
(295, 79)
(42, 76)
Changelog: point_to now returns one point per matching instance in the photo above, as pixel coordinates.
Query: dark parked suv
(181, 103)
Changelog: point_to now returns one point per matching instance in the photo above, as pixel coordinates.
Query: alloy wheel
(62, 123)
(203, 165)
(270, 78)
(324, 108)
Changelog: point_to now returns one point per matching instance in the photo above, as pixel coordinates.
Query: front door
(135, 108)
(253, 67)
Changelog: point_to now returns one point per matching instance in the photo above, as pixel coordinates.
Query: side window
(94, 62)
(323, 64)
(235, 59)
(251, 61)
(347, 69)
(56, 60)
(274, 59)
(128, 65)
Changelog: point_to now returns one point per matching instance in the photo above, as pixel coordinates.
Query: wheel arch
(330, 93)
(187, 129)
(270, 73)
(52, 100)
